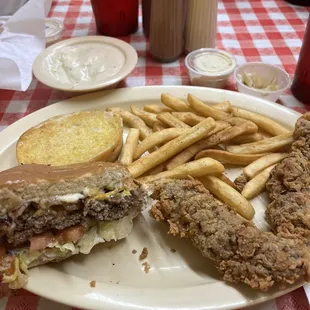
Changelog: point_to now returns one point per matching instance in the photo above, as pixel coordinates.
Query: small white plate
(180, 280)
(122, 60)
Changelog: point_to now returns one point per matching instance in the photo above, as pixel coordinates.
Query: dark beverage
(299, 2)
(146, 16)
(301, 83)
(116, 17)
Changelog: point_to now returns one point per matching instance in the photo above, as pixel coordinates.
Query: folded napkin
(11, 6)
(22, 39)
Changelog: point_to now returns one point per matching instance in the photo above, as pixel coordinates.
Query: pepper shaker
(167, 29)
(201, 22)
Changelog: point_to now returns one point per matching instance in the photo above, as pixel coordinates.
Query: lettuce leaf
(116, 230)
(19, 277)
(89, 240)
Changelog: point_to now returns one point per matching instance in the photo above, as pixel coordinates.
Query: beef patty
(35, 221)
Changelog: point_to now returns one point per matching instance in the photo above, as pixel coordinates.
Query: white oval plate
(180, 280)
(41, 64)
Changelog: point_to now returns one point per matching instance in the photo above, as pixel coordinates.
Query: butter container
(210, 67)
(262, 80)
(53, 30)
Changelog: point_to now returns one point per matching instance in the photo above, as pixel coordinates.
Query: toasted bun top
(84, 136)
(34, 173)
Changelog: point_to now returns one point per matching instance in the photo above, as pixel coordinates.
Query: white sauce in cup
(210, 67)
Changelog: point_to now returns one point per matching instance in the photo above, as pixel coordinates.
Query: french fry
(224, 106)
(225, 179)
(158, 126)
(263, 122)
(148, 118)
(264, 134)
(157, 139)
(229, 158)
(255, 186)
(197, 168)
(217, 138)
(156, 108)
(262, 163)
(247, 138)
(133, 121)
(188, 118)
(130, 146)
(236, 121)
(263, 146)
(157, 169)
(171, 121)
(229, 195)
(171, 148)
(175, 104)
(205, 110)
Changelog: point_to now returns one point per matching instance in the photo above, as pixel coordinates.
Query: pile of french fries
(178, 139)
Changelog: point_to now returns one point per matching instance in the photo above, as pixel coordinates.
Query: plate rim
(7, 141)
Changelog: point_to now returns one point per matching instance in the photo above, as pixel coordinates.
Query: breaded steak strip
(289, 212)
(240, 251)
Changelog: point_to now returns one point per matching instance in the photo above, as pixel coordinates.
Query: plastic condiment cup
(210, 67)
(267, 73)
(53, 30)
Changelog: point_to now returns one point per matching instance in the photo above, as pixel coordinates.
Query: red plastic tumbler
(116, 17)
(301, 84)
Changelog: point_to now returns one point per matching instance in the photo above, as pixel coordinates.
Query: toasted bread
(85, 136)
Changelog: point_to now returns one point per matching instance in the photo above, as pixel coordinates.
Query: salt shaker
(167, 28)
(201, 22)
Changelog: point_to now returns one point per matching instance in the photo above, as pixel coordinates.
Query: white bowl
(267, 72)
(85, 64)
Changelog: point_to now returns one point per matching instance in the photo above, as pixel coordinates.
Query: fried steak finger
(240, 251)
(289, 212)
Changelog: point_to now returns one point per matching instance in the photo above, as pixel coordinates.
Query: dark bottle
(116, 17)
(299, 2)
(146, 16)
(301, 82)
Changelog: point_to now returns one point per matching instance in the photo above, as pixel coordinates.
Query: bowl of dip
(85, 64)
(210, 67)
(262, 80)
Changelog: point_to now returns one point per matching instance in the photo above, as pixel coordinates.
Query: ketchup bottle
(301, 83)
(116, 17)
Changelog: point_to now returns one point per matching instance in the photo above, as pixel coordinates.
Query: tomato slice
(73, 234)
(41, 241)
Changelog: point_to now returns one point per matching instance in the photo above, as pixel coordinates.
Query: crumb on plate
(92, 283)
(144, 254)
(173, 250)
(147, 267)
(134, 251)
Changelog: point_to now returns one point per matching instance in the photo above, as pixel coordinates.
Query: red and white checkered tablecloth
(253, 30)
